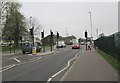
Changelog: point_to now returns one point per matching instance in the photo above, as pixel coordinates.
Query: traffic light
(57, 35)
(31, 31)
(42, 34)
(51, 34)
(86, 34)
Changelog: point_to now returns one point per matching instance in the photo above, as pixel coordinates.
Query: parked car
(4, 45)
(27, 48)
(76, 46)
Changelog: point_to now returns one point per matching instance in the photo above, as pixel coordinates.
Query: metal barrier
(109, 44)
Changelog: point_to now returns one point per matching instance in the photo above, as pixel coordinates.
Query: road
(35, 67)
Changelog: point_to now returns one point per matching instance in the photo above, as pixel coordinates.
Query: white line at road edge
(68, 65)
(17, 60)
(9, 67)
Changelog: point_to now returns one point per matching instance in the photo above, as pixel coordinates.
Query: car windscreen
(26, 45)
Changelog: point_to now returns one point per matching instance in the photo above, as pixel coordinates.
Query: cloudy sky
(73, 17)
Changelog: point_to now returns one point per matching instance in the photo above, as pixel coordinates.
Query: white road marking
(33, 58)
(68, 65)
(59, 72)
(17, 60)
(30, 54)
(5, 66)
(9, 67)
(49, 80)
(39, 58)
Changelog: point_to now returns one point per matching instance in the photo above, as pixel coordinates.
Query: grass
(114, 62)
(8, 48)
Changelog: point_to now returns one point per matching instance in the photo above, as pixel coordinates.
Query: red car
(76, 46)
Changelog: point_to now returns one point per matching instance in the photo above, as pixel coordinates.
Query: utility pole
(97, 32)
(91, 23)
(66, 32)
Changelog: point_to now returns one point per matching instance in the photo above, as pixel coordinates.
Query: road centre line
(8, 68)
(5, 66)
(11, 66)
(17, 60)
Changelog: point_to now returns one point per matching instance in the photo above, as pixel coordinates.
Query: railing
(109, 44)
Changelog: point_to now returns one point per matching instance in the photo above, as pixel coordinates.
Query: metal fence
(109, 44)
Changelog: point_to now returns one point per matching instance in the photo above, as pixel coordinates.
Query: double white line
(6, 67)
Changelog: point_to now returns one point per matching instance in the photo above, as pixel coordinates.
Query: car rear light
(77, 45)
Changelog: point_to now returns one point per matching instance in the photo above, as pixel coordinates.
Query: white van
(61, 44)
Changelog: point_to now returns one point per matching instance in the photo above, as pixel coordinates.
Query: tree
(33, 22)
(15, 24)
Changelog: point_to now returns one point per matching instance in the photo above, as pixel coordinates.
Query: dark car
(27, 48)
(76, 46)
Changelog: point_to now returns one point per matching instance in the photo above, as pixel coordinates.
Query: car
(76, 46)
(82, 43)
(27, 48)
(4, 45)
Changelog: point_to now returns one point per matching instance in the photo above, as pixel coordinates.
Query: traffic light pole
(57, 44)
(86, 38)
(51, 38)
(10, 44)
(33, 40)
(42, 34)
(57, 41)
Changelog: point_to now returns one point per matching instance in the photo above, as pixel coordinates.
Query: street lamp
(91, 22)
(30, 21)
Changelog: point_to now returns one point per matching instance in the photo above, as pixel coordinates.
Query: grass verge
(114, 62)
(8, 48)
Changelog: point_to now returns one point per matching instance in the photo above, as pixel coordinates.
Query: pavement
(7, 53)
(90, 66)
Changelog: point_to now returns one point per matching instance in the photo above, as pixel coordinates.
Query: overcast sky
(74, 17)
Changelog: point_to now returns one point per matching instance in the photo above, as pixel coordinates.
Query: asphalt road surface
(35, 67)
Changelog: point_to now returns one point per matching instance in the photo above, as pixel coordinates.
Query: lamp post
(30, 21)
(91, 23)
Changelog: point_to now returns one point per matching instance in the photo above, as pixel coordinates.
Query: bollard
(34, 50)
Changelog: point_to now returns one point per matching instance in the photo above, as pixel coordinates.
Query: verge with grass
(114, 62)
(8, 48)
